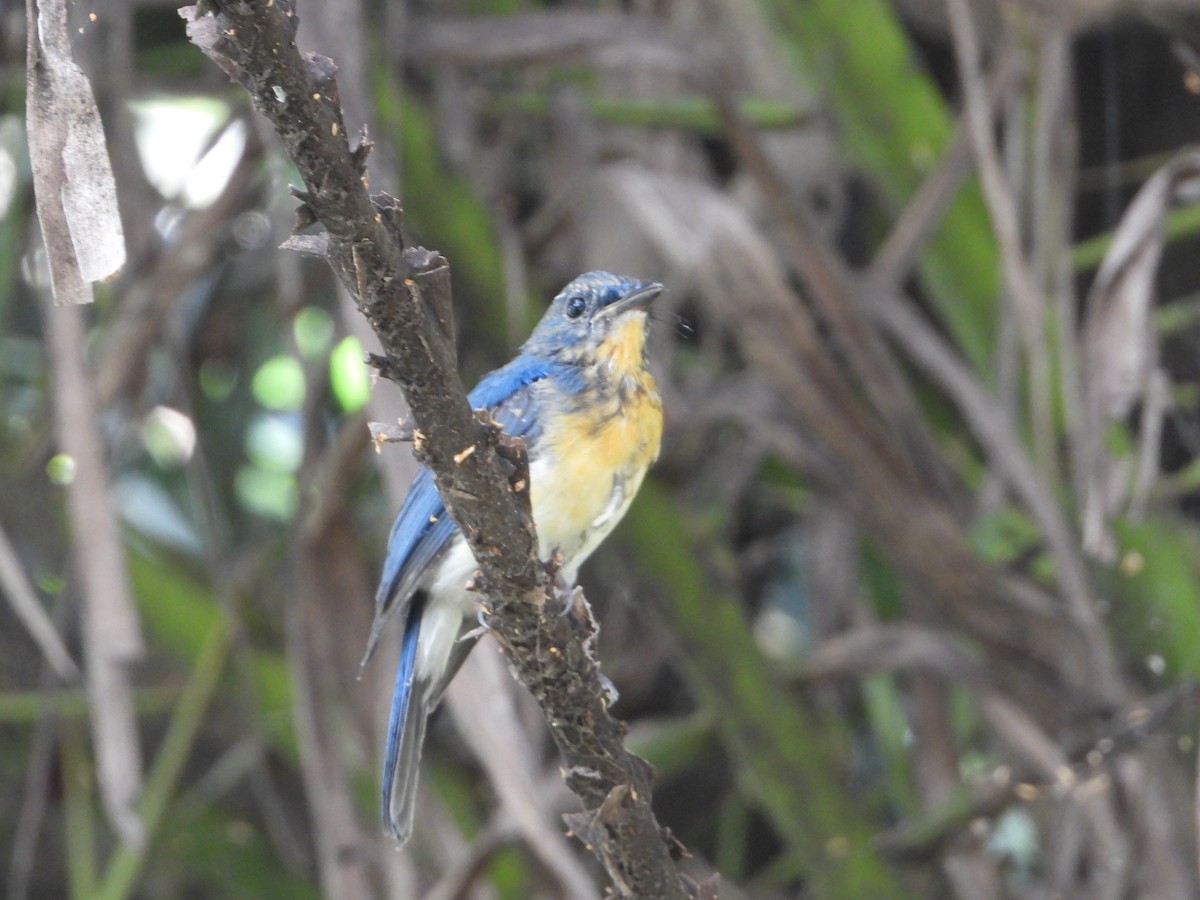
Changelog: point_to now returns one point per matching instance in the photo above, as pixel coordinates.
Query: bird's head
(598, 317)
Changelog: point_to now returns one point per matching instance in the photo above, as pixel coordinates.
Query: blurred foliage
(896, 124)
(253, 515)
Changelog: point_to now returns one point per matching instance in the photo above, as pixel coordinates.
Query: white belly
(442, 622)
(574, 509)
(575, 530)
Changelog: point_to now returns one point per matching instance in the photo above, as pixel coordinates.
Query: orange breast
(592, 460)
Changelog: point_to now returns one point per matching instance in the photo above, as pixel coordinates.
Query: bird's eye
(575, 307)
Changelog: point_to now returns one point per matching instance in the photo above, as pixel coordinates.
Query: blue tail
(406, 733)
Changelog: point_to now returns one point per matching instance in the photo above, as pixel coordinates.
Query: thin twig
(38, 773)
(919, 219)
(999, 439)
(916, 224)
(829, 284)
(1002, 207)
(856, 453)
(1050, 214)
(126, 863)
(342, 870)
(325, 566)
(111, 628)
(152, 285)
(972, 872)
(25, 604)
(456, 882)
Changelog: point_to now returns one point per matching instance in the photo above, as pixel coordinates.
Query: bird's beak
(638, 298)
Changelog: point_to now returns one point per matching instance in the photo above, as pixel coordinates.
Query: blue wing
(500, 384)
(423, 531)
(421, 534)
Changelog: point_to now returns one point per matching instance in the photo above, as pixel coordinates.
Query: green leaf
(889, 725)
(225, 856)
(61, 469)
(1005, 536)
(690, 112)
(313, 329)
(162, 782)
(179, 611)
(443, 211)
(780, 750)
(266, 492)
(279, 384)
(80, 813)
(895, 124)
(673, 743)
(348, 376)
(1159, 583)
(217, 379)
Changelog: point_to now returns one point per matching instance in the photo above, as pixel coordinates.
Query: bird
(581, 395)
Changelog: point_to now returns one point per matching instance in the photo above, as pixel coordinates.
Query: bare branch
(493, 729)
(404, 294)
(111, 629)
(922, 215)
(1027, 301)
(25, 604)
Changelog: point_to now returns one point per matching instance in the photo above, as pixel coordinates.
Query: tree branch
(405, 295)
